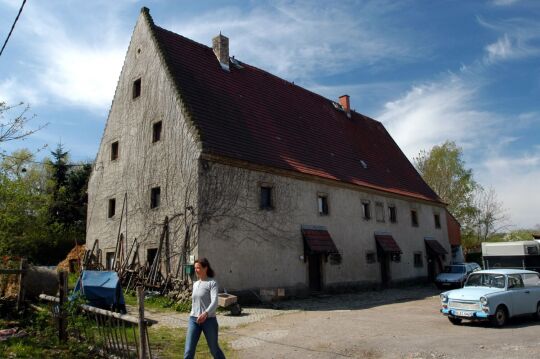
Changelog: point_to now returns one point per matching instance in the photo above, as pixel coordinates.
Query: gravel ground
(385, 324)
(394, 323)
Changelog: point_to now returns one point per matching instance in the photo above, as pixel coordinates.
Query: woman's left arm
(213, 297)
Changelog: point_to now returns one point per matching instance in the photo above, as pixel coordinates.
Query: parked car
(494, 295)
(455, 275)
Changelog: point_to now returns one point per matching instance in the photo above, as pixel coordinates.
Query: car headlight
(444, 297)
(483, 301)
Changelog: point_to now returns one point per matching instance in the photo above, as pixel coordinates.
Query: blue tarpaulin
(101, 289)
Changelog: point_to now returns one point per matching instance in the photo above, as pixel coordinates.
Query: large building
(278, 186)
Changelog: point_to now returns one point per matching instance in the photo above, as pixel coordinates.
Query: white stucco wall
(264, 248)
(169, 163)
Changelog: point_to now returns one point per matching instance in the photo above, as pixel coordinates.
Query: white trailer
(518, 255)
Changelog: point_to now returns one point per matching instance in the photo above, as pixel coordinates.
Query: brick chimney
(220, 45)
(346, 104)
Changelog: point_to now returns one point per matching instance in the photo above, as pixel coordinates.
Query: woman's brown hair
(206, 264)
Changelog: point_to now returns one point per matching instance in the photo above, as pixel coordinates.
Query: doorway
(315, 278)
(385, 269)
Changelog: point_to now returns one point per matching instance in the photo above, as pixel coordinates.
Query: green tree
(67, 188)
(443, 169)
(23, 203)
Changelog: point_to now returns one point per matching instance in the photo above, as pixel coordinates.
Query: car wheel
(455, 321)
(500, 318)
(538, 311)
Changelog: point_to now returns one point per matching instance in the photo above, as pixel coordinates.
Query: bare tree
(15, 128)
(490, 216)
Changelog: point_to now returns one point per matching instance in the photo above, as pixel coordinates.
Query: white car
(455, 275)
(494, 295)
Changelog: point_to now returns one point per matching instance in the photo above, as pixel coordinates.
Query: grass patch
(169, 343)
(41, 342)
(158, 302)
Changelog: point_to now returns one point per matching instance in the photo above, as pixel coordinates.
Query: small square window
(266, 198)
(414, 218)
(156, 131)
(114, 151)
(392, 214)
(112, 208)
(155, 197)
(109, 260)
(418, 260)
(379, 211)
(437, 219)
(136, 88)
(366, 209)
(370, 257)
(322, 202)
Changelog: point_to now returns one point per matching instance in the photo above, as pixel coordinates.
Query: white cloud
(520, 39)
(299, 40)
(504, 2)
(515, 180)
(450, 109)
(12, 92)
(70, 68)
(430, 113)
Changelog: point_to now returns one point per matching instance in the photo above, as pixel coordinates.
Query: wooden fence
(111, 334)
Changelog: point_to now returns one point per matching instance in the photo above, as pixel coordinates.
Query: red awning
(387, 243)
(434, 246)
(319, 241)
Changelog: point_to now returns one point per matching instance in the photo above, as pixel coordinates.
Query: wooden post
(142, 324)
(62, 318)
(20, 296)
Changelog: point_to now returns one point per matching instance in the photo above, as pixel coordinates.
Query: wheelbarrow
(229, 301)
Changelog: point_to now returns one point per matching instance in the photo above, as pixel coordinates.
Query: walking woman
(204, 302)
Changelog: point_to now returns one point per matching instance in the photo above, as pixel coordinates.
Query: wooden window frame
(266, 197)
(157, 130)
(111, 208)
(322, 204)
(136, 89)
(155, 197)
(414, 218)
(115, 150)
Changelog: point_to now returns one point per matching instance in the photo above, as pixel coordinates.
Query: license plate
(446, 283)
(461, 313)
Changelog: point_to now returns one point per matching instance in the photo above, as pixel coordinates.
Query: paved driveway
(386, 324)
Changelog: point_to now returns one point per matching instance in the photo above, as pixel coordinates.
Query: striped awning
(387, 243)
(434, 246)
(318, 241)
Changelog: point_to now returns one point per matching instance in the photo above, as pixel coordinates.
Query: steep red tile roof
(251, 115)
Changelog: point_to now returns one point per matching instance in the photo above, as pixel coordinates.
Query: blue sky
(467, 71)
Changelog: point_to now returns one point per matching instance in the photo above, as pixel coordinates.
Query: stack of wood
(180, 291)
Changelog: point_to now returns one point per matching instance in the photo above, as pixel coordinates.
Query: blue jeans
(210, 329)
